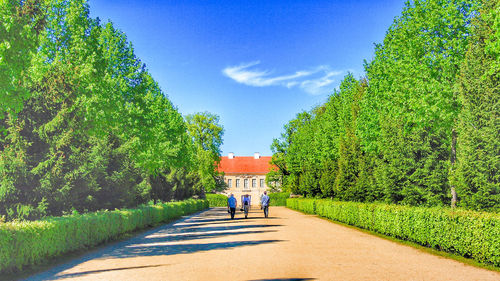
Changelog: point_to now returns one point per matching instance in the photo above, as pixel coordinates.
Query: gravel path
(286, 246)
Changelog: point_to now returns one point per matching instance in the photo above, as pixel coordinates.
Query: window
(254, 183)
(245, 184)
(237, 182)
(261, 182)
(230, 182)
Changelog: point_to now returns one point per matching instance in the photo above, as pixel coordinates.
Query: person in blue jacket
(231, 205)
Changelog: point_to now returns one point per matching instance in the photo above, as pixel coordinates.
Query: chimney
(256, 155)
(230, 155)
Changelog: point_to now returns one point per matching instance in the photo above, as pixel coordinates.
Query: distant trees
(206, 132)
(84, 126)
(420, 128)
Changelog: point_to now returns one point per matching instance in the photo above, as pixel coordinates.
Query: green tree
(350, 153)
(207, 133)
(329, 130)
(21, 24)
(476, 177)
(276, 178)
(409, 113)
(295, 152)
(91, 128)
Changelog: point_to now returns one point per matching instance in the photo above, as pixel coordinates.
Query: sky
(255, 64)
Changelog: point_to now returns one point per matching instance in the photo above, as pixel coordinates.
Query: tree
(294, 152)
(206, 133)
(87, 127)
(478, 149)
(394, 136)
(409, 113)
(280, 148)
(21, 24)
(350, 153)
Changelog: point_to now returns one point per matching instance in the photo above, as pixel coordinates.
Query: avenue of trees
(83, 125)
(422, 128)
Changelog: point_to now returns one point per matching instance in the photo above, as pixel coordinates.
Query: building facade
(245, 175)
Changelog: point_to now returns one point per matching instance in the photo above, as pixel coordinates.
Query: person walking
(231, 205)
(246, 205)
(265, 204)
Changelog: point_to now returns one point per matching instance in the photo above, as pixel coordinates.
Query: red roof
(245, 165)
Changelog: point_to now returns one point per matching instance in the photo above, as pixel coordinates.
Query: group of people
(232, 203)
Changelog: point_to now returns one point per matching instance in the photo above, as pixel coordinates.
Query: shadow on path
(236, 219)
(83, 273)
(166, 250)
(170, 239)
(225, 228)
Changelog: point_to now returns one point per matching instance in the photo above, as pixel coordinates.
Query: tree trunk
(453, 159)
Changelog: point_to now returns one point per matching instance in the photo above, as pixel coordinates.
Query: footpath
(286, 246)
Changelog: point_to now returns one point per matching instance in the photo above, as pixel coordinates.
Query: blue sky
(256, 64)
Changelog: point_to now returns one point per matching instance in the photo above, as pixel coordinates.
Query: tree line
(83, 125)
(421, 128)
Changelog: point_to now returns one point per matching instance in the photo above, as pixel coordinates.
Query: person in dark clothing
(231, 205)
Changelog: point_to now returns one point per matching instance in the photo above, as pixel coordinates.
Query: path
(288, 245)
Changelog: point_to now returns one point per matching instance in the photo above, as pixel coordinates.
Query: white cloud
(317, 86)
(315, 81)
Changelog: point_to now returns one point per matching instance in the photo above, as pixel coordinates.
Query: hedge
(31, 242)
(467, 233)
(278, 198)
(217, 200)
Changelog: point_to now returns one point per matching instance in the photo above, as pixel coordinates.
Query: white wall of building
(254, 191)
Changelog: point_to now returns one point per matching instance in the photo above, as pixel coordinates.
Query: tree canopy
(421, 128)
(84, 125)
(206, 133)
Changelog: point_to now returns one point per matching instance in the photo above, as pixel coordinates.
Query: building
(245, 175)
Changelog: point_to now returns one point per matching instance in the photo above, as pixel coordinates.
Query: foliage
(27, 243)
(412, 90)
(83, 125)
(216, 200)
(275, 199)
(467, 233)
(206, 132)
(420, 129)
(478, 162)
(21, 23)
(278, 198)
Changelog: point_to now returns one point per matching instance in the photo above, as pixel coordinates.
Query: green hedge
(217, 200)
(31, 242)
(467, 233)
(278, 198)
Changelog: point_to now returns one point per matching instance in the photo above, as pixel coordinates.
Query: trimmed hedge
(467, 233)
(31, 242)
(278, 198)
(217, 200)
